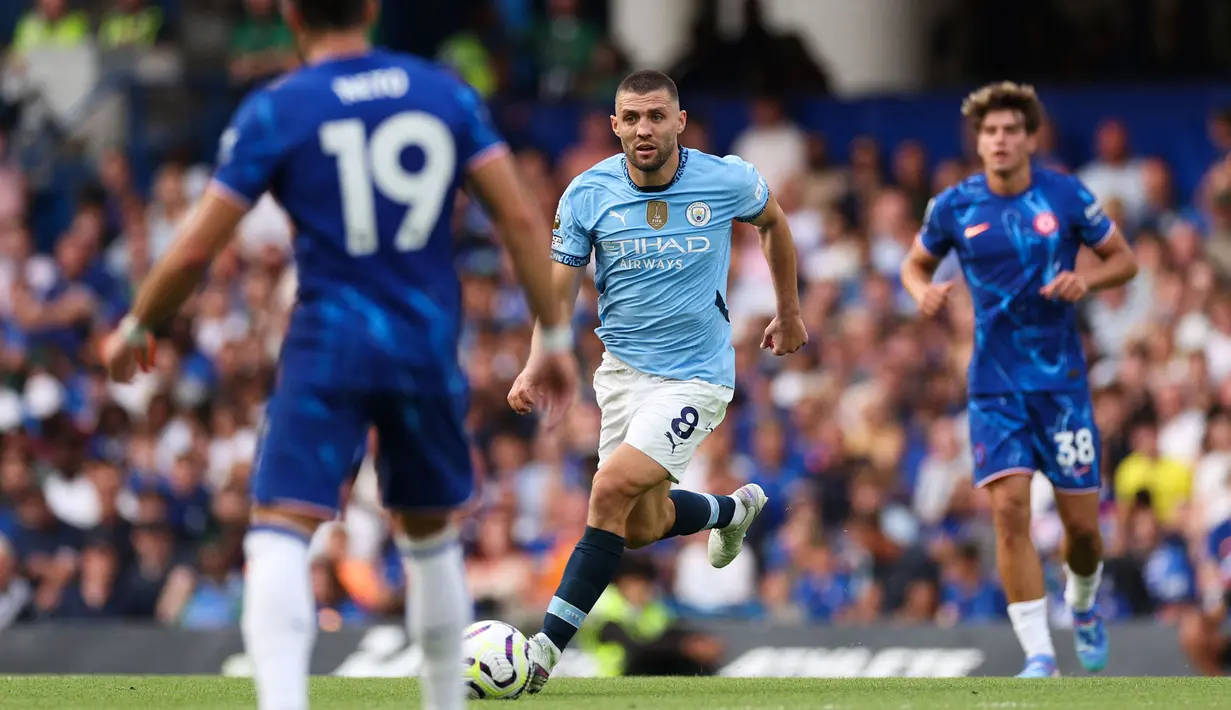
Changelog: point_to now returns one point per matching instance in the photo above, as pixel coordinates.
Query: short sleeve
(250, 151)
(480, 141)
(1091, 223)
(570, 242)
(933, 235)
(751, 192)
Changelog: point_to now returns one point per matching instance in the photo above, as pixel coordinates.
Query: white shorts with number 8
(664, 419)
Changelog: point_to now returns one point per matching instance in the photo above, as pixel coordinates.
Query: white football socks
(279, 617)
(1079, 591)
(438, 610)
(1030, 624)
(740, 512)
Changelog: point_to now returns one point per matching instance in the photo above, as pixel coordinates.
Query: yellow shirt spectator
(1168, 481)
(132, 26)
(51, 26)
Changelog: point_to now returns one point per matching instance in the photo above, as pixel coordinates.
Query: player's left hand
(549, 383)
(785, 335)
(123, 354)
(1067, 286)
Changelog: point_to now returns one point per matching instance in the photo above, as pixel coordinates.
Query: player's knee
(1012, 516)
(612, 496)
(417, 526)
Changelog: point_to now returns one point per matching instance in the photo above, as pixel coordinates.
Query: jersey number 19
(370, 163)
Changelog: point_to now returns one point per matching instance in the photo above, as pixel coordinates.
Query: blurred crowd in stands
(130, 501)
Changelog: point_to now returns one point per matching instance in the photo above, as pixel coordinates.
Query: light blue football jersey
(661, 259)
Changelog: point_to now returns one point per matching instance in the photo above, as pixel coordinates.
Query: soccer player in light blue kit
(657, 221)
(1016, 229)
(365, 150)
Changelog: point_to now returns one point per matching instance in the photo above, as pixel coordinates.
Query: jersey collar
(679, 172)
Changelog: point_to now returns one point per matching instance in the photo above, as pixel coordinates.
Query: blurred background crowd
(130, 501)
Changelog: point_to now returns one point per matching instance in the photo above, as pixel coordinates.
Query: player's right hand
(934, 298)
(122, 355)
(549, 382)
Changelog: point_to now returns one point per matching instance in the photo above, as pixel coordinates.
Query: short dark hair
(332, 14)
(1004, 96)
(647, 81)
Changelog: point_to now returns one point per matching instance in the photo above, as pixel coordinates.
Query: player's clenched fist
(1067, 286)
(521, 395)
(934, 298)
(126, 349)
(550, 380)
(785, 335)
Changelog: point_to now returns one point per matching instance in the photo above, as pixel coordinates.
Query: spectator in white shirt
(774, 144)
(946, 466)
(1114, 173)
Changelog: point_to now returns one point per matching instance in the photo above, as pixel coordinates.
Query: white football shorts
(663, 418)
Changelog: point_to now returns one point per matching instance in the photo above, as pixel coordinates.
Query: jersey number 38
(1074, 447)
(368, 164)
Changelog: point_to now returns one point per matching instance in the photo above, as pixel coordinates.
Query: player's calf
(653, 517)
(1020, 571)
(621, 481)
(1083, 548)
(279, 617)
(1083, 571)
(664, 513)
(437, 604)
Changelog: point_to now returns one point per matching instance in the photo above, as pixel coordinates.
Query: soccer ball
(496, 661)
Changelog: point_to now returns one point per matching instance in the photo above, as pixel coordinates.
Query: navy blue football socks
(695, 512)
(590, 569)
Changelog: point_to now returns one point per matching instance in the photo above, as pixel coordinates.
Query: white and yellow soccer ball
(496, 661)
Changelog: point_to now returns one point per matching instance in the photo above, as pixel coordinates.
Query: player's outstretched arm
(210, 227)
(565, 286)
(525, 394)
(522, 231)
(786, 333)
(917, 271)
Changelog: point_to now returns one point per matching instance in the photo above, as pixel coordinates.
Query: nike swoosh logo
(972, 232)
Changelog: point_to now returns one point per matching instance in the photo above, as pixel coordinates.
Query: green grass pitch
(211, 693)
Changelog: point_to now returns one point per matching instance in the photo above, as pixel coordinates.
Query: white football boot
(726, 543)
(543, 659)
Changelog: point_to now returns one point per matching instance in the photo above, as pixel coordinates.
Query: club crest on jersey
(656, 214)
(698, 214)
(1045, 223)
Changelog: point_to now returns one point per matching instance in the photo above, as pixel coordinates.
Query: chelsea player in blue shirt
(365, 150)
(657, 220)
(1016, 229)
(1204, 632)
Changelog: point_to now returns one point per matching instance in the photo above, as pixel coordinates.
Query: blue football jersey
(1218, 547)
(366, 154)
(661, 259)
(1169, 574)
(1009, 249)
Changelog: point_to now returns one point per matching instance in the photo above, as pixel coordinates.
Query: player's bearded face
(1003, 143)
(649, 126)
